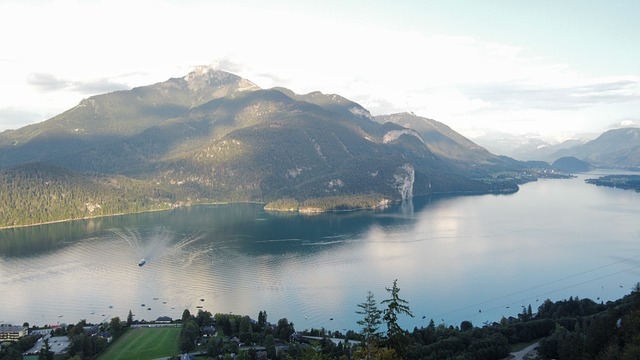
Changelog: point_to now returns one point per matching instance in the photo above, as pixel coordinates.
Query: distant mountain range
(618, 148)
(615, 148)
(523, 147)
(212, 136)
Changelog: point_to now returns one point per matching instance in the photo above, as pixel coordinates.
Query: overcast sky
(554, 68)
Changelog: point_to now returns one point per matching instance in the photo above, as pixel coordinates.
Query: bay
(456, 258)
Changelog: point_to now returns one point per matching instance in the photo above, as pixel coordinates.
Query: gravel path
(522, 353)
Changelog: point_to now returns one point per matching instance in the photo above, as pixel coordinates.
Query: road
(519, 355)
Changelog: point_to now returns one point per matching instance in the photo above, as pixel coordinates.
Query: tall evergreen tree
(115, 325)
(186, 315)
(395, 306)
(370, 323)
(262, 318)
(45, 351)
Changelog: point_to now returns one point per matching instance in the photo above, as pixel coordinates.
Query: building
(12, 333)
(164, 320)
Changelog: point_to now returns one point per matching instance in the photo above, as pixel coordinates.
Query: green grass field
(144, 343)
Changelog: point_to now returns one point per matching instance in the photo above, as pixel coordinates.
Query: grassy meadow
(144, 343)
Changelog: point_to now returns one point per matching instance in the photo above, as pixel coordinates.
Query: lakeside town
(555, 331)
(60, 341)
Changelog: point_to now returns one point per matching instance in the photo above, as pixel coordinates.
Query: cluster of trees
(191, 329)
(432, 342)
(87, 341)
(230, 326)
(567, 329)
(87, 344)
(628, 182)
(330, 203)
(395, 343)
(37, 193)
(613, 333)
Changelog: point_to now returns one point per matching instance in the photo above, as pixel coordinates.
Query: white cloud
(628, 123)
(625, 123)
(65, 50)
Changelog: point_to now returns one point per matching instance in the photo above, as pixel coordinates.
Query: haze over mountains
(614, 148)
(212, 136)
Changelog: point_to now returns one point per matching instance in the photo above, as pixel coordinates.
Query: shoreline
(452, 193)
(79, 219)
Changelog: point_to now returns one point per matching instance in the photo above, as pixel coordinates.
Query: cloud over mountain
(557, 96)
(45, 82)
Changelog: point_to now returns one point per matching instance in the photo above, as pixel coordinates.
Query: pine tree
(395, 307)
(45, 351)
(370, 323)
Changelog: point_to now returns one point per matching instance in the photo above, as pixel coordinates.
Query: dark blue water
(474, 258)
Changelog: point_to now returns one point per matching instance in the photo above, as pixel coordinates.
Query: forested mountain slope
(212, 136)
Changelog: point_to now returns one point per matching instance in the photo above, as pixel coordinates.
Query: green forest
(38, 193)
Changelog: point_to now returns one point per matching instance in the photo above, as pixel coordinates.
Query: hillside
(571, 164)
(212, 136)
(37, 192)
(115, 116)
(447, 143)
(619, 148)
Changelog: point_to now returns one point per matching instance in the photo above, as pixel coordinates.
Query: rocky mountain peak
(207, 73)
(203, 77)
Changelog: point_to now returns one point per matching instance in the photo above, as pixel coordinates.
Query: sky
(555, 69)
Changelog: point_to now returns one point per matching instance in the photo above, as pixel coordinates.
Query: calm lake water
(474, 258)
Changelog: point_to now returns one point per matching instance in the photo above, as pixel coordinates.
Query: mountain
(570, 164)
(524, 147)
(614, 148)
(107, 118)
(212, 136)
(459, 151)
(441, 139)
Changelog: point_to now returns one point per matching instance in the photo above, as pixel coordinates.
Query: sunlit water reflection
(474, 258)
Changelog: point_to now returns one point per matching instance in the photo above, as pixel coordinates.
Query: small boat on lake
(142, 262)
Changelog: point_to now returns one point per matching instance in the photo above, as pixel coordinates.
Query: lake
(456, 258)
